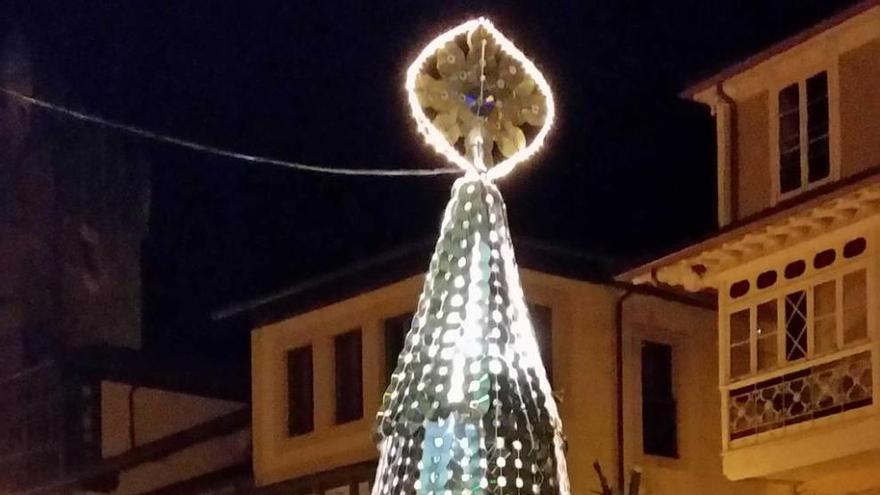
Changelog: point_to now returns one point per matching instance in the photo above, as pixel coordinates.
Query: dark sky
(628, 172)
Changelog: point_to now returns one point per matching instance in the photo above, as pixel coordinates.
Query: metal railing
(811, 390)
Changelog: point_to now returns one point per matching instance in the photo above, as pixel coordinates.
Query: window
(300, 392)
(542, 322)
(796, 325)
(767, 322)
(349, 376)
(819, 319)
(804, 157)
(740, 354)
(659, 429)
(395, 339)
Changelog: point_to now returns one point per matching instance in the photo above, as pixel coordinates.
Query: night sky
(627, 173)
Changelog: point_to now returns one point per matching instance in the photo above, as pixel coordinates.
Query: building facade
(746, 363)
(630, 388)
(794, 265)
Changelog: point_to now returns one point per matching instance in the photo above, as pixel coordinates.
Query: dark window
(395, 338)
(789, 139)
(766, 279)
(739, 289)
(797, 151)
(818, 163)
(795, 325)
(300, 392)
(659, 428)
(349, 377)
(824, 258)
(542, 321)
(795, 269)
(854, 247)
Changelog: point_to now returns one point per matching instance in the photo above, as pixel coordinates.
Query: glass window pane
(767, 323)
(349, 376)
(788, 99)
(739, 327)
(300, 395)
(739, 360)
(767, 354)
(824, 299)
(825, 323)
(789, 139)
(790, 171)
(819, 162)
(855, 321)
(659, 427)
(817, 127)
(825, 337)
(817, 103)
(796, 325)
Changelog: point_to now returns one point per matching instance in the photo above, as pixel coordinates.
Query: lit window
(801, 324)
(803, 134)
(766, 335)
(349, 377)
(855, 316)
(740, 330)
(795, 325)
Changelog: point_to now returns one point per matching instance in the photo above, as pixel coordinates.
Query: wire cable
(183, 143)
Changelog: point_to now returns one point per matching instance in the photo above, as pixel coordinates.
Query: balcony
(810, 413)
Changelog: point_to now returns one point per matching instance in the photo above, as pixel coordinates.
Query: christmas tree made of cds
(469, 409)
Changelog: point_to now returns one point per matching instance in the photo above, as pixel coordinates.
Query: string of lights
(213, 150)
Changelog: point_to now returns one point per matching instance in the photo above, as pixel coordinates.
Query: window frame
(833, 131)
(807, 283)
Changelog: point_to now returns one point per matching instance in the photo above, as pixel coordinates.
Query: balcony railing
(812, 390)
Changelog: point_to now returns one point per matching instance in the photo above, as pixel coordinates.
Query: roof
(777, 48)
(831, 206)
(205, 378)
(404, 262)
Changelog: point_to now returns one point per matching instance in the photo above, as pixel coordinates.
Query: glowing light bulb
(435, 137)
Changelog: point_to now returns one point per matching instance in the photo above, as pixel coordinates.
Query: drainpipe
(724, 109)
(618, 322)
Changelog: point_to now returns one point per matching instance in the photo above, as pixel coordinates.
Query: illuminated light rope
(435, 138)
(469, 409)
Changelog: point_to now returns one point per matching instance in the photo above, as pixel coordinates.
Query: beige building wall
(584, 338)
(860, 108)
(692, 334)
(152, 413)
(850, 54)
(751, 160)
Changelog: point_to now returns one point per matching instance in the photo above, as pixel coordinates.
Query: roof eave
(729, 71)
(863, 187)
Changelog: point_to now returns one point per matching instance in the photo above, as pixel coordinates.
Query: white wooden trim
(798, 366)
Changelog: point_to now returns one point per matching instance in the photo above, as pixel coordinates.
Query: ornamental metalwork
(812, 393)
